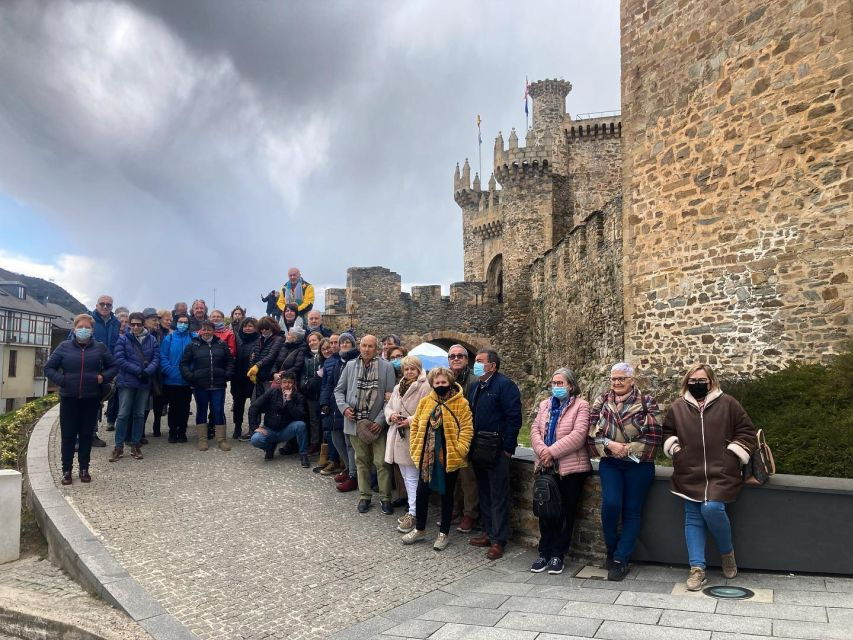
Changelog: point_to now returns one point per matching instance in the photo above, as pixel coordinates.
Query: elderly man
(296, 291)
(364, 387)
(315, 323)
(467, 498)
(496, 404)
(179, 309)
(106, 330)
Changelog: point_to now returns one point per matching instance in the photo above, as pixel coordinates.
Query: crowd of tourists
(378, 423)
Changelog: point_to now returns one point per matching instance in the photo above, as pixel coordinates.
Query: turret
(549, 103)
(456, 179)
(466, 175)
(513, 139)
(476, 182)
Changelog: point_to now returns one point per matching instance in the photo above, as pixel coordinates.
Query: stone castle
(711, 221)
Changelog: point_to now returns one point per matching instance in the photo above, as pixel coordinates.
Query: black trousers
(555, 536)
(178, 397)
(493, 489)
(77, 420)
(158, 403)
(422, 503)
(239, 405)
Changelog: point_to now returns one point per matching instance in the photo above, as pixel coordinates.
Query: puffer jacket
(708, 445)
(291, 358)
(227, 336)
(277, 413)
(106, 331)
(74, 367)
(458, 428)
(397, 443)
(265, 354)
(240, 383)
(310, 384)
(207, 365)
(171, 351)
(569, 449)
(496, 405)
(333, 420)
(130, 364)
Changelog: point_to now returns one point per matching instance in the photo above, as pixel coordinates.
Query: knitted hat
(149, 311)
(346, 335)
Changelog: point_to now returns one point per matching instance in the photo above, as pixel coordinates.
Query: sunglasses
(457, 356)
(105, 304)
(135, 324)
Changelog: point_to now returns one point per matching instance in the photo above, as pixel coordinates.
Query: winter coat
(207, 365)
(277, 413)
(106, 331)
(130, 363)
(468, 381)
(397, 442)
(307, 298)
(346, 392)
(285, 327)
(291, 358)
(265, 355)
(310, 384)
(569, 449)
(458, 428)
(321, 329)
(227, 336)
(240, 383)
(74, 367)
(708, 445)
(171, 351)
(332, 369)
(270, 299)
(496, 406)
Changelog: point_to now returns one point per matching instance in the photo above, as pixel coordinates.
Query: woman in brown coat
(709, 437)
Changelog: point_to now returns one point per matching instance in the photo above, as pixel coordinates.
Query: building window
(13, 363)
(24, 328)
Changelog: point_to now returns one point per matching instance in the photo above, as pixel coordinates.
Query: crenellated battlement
(585, 131)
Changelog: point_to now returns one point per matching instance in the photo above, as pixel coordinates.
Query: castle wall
(594, 167)
(737, 182)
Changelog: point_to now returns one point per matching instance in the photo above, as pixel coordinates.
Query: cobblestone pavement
(507, 602)
(235, 547)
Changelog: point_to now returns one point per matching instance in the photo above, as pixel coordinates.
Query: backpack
(547, 502)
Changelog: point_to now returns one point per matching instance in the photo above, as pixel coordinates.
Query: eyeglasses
(457, 356)
(620, 379)
(135, 324)
(105, 304)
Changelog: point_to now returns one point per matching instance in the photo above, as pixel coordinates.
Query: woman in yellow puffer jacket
(440, 435)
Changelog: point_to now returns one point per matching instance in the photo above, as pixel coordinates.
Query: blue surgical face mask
(396, 363)
(182, 327)
(559, 392)
(218, 325)
(479, 368)
(83, 334)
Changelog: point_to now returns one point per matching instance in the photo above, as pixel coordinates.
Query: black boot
(210, 431)
(238, 429)
(182, 434)
(269, 452)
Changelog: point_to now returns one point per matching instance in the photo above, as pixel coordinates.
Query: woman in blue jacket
(176, 389)
(137, 355)
(79, 366)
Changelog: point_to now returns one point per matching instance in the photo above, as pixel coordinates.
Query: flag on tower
(479, 133)
(526, 93)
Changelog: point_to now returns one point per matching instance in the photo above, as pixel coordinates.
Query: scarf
(557, 408)
(367, 386)
(404, 386)
(293, 294)
(433, 459)
(634, 421)
(141, 336)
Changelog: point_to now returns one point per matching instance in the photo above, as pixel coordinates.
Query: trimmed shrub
(15, 428)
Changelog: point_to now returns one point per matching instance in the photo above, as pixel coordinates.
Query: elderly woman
(223, 331)
(399, 410)
(78, 367)
(345, 481)
(709, 437)
(263, 358)
(623, 432)
(241, 386)
(440, 436)
(558, 436)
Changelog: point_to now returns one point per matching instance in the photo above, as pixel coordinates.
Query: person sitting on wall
(623, 432)
(296, 291)
(315, 323)
(284, 419)
(709, 437)
(290, 319)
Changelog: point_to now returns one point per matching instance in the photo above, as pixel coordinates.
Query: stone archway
(495, 279)
(446, 338)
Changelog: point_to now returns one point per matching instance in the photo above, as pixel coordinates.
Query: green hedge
(15, 428)
(806, 411)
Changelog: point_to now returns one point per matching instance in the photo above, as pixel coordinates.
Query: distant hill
(43, 290)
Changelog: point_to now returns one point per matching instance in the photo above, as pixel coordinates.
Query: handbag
(485, 448)
(108, 389)
(761, 465)
(547, 501)
(362, 430)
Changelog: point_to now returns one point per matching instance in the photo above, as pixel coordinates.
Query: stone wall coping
(778, 482)
(76, 549)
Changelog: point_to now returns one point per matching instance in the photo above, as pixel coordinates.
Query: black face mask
(698, 389)
(442, 391)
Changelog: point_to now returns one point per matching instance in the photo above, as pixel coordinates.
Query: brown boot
(480, 541)
(117, 453)
(221, 439)
(332, 469)
(201, 432)
(729, 564)
(323, 460)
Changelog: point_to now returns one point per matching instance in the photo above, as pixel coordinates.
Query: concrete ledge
(74, 548)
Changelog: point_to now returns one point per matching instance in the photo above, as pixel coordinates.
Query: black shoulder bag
(486, 445)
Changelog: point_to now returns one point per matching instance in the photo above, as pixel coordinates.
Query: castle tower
(549, 104)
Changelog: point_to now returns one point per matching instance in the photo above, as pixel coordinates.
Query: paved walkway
(236, 548)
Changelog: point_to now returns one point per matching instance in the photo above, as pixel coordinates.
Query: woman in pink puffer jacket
(558, 436)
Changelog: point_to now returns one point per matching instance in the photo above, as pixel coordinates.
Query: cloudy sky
(156, 149)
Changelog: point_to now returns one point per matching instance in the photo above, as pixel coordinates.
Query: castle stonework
(711, 222)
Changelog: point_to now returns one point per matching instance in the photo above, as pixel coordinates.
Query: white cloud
(83, 277)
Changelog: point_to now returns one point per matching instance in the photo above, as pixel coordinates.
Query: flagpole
(526, 112)
(480, 147)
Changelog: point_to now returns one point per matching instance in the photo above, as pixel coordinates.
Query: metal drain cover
(728, 593)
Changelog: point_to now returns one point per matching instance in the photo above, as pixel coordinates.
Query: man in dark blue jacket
(496, 405)
(106, 331)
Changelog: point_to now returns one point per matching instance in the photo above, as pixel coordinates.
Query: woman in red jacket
(223, 331)
(558, 436)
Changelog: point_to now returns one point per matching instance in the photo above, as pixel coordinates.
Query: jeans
(215, 398)
(411, 475)
(344, 446)
(178, 397)
(367, 455)
(493, 487)
(132, 403)
(76, 417)
(698, 516)
(296, 429)
(422, 500)
(624, 487)
(555, 536)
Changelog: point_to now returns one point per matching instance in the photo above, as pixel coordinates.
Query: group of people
(380, 422)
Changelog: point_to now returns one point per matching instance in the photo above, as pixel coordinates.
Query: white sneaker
(406, 523)
(441, 542)
(413, 536)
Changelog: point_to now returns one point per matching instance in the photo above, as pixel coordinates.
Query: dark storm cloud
(254, 135)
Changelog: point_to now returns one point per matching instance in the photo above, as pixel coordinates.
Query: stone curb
(77, 550)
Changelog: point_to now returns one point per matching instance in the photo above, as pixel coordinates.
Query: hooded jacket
(457, 424)
(207, 365)
(708, 444)
(171, 351)
(131, 364)
(74, 367)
